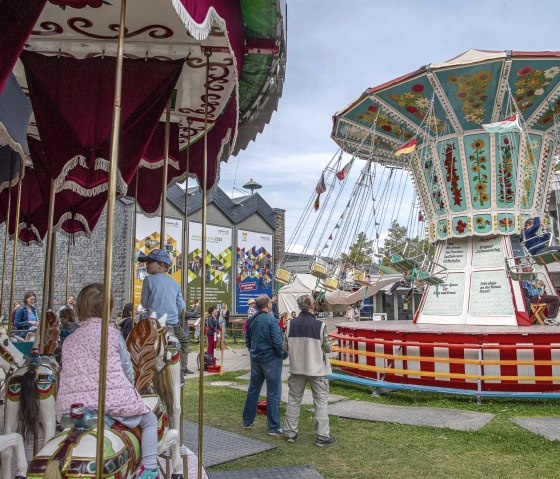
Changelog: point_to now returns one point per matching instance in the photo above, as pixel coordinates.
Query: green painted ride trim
(547, 258)
(403, 264)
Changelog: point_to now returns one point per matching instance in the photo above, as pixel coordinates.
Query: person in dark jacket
(212, 326)
(275, 311)
(264, 341)
(534, 242)
(223, 318)
(26, 317)
(126, 323)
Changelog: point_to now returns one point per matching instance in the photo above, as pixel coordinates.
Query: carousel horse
(30, 394)
(72, 453)
(15, 441)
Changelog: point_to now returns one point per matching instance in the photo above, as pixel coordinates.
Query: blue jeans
(272, 373)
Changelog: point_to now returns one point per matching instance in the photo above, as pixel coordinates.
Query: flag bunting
(407, 148)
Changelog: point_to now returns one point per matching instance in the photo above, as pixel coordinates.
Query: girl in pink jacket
(79, 376)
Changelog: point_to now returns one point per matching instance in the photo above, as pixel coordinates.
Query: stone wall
(279, 236)
(86, 263)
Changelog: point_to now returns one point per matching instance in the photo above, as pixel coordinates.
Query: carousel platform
(479, 360)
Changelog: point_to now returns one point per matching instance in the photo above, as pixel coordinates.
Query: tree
(397, 240)
(361, 252)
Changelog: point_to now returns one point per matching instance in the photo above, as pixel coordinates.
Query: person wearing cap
(265, 344)
(307, 343)
(162, 295)
(250, 313)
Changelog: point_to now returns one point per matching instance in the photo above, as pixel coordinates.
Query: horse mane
(141, 345)
(52, 333)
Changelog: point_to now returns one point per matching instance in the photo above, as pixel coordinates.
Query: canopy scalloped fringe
(158, 164)
(24, 226)
(200, 31)
(62, 183)
(74, 217)
(6, 139)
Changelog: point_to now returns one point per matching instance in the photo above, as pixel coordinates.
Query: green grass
(379, 450)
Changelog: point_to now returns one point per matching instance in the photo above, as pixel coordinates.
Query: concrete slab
(222, 446)
(548, 427)
(414, 416)
(285, 375)
(307, 396)
(294, 472)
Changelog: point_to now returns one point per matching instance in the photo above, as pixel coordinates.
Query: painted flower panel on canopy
(461, 226)
(366, 114)
(546, 121)
(477, 150)
(507, 146)
(443, 226)
(532, 81)
(449, 155)
(530, 153)
(470, 90)
(413, 100)
(482, 223)
(432, 180)
(506, 222)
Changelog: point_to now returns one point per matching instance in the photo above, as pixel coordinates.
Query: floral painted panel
(432, 180)
(507, 147)
(471, 91)
(482, 223)
(530, 150)
(546, 121)
(450, 159)
(477, 150)
(506, 222)
(531, 81)
(367, 111)
(442, 228)
(413, 100)
(461, 225)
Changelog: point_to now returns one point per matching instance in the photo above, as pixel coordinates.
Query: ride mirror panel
(490, 294)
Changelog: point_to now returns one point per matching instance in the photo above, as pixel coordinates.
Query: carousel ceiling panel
(471, 91)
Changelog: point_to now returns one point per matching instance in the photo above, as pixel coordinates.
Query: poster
(219, 272)
(147, 238)
(254, 267)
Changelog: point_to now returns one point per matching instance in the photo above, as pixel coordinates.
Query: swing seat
(515, 269)
(432, 280)
(547, 258)
(318, 270)
(283, 276)
(330, 284)
(403, 264)
(360, 277)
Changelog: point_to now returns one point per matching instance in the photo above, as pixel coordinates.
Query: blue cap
(156, 255)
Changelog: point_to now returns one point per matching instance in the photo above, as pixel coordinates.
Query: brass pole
(52, 272)
(47, 273)
(133, 262)
(16, 233)
(111, 198)
(203, 272)
(67, 291)
(222, 330)
(6, 250)
(164, 175)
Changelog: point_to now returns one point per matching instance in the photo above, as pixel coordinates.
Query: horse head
(9, 355)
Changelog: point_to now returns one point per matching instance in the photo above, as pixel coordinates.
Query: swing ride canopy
(67, 70)
(469, 181)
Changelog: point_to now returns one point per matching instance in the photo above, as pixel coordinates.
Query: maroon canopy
(73, 105)
(17, 19)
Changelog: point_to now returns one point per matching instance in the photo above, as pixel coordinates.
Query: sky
(337, 49)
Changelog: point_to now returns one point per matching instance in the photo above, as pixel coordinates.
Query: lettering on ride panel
(490, 294)
(454, 255)
(447, 298)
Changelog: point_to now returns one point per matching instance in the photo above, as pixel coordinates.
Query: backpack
(208, 360)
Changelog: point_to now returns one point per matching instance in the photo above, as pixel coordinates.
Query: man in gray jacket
(307, 343)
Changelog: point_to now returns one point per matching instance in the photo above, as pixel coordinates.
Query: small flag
(342, 173)
(330, 237)
(321, 186)
(511, 123)
(420, 217)
(337, 226)
(376, 235)
(326, 246)
(316, 204)
(407, 148)
(377, 224)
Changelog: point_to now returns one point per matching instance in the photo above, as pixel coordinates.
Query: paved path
(413, 416)
(306, 400)
(294, 472)
(548, 427)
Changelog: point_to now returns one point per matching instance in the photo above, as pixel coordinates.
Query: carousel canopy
(471, 180)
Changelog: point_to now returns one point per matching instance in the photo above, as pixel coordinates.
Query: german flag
(407, 148)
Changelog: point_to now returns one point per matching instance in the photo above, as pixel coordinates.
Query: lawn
(377, 450)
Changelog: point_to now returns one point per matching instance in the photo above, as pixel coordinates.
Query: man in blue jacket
(534, 242)
(264, 341)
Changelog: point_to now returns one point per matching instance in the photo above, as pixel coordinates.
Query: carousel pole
(67, 290)
(133, 262)
(47, 274)
(6, 252)
(52, 272)
(164, 175)
(203, 271)
(111, 198)
(16, 232)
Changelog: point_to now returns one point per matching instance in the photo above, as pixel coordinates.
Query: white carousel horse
(72, 453)
(15, 441)
(30, 392)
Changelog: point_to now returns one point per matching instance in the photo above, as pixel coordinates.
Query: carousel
(101, 101)
(478, 137)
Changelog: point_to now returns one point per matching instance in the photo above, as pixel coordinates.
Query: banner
(254, 267)
(147, 238)
(218, 264)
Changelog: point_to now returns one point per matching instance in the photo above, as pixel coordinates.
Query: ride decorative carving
(143, 353)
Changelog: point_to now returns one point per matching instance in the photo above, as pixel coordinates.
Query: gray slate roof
(236, 209)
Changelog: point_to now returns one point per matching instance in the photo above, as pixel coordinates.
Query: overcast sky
(337, 49)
